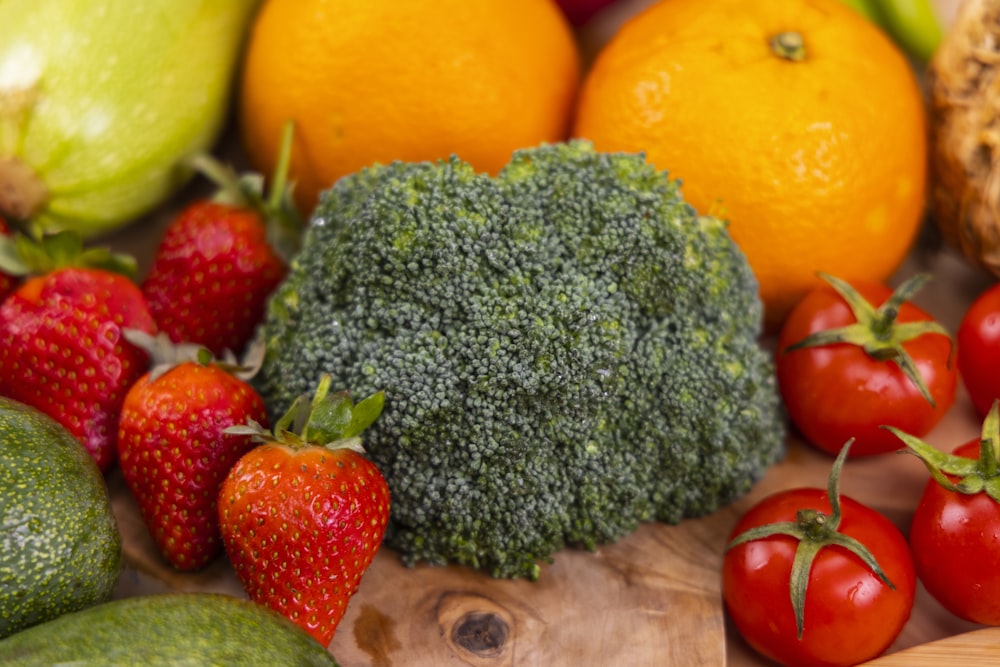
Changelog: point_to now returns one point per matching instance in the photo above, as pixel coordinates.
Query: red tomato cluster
(862, 372)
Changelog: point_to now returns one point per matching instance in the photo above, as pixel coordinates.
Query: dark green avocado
(168, 629)
(60, 548)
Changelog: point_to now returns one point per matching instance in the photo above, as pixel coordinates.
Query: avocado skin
(60, 547)
(174, 629)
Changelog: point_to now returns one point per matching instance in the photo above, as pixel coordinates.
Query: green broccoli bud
(567, 350)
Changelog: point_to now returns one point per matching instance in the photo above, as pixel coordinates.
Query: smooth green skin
(913, 24)
(172, 629)
(60, 548)
(123, 93)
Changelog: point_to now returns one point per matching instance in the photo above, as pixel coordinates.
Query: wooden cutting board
(977, 647)
(650, 599)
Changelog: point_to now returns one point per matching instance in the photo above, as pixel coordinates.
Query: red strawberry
(61, 344)
(220, 259)
(173, 450)
(303, 515)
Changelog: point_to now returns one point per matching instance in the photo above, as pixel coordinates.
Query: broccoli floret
(567, 350)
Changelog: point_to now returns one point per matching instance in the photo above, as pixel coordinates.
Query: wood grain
(977, 647)
(652, 598)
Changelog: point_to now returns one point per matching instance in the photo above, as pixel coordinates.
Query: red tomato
(840, 390)
(955, 538)
(850, 614)
(979, 349)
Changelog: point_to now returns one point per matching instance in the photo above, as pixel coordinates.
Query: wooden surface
(651, 599)
(976, 647)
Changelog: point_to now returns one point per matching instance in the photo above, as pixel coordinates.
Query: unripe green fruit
(102, 101)
(60, 548)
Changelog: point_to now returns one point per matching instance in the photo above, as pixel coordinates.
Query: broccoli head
(567, 350)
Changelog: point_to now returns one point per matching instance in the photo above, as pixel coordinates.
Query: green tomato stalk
(980, 475)
(877, 330)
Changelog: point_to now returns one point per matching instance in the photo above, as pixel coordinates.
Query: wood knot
(482, 633)
(478, 629)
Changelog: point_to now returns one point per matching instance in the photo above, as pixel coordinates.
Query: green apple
(102, 102)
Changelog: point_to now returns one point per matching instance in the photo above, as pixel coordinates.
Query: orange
(817, 164)
(379, 80)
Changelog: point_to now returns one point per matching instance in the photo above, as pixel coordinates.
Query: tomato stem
(877, 330)
(974, 475)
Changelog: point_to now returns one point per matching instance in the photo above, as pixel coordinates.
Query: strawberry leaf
(328, 420)
(364, 414)
(24, 255)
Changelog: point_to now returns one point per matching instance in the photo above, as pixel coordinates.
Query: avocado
(167, 629)
(60, 547)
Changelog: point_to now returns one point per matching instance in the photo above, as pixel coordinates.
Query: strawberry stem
(284, 223)
(277, 211)
(280, 176)
(326, 420)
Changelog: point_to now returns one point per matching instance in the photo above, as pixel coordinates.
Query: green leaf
(364, 414)
(329, 419)
(975, 475)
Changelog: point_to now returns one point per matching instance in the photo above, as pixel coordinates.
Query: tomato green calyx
(877, 330)
(277, 208)
(980, 475)
(789, 45)
(814, 531)
(327, 420)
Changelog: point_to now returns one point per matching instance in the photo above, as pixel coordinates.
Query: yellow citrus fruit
(798, 121)
(379, 80)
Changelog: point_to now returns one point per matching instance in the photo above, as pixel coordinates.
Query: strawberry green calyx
(277, 208)
(980, 475)
(35, 254)
(877, 330)
(814, 531)
(327, 420)
(165, 354)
